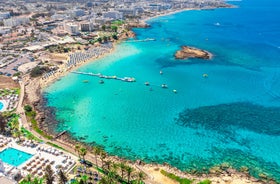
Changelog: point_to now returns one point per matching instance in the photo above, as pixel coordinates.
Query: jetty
(60, 134)
(143, 40)
(125, 79)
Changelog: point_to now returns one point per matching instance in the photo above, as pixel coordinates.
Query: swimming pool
(1, 106)
(14, 157)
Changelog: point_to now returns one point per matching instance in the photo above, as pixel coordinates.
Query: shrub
(38, 71)
(27, 108)
(205, 182)
(176, 178)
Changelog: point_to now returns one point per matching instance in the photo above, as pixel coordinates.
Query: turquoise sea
(232, 116)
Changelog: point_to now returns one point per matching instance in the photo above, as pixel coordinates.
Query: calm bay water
(231, 116)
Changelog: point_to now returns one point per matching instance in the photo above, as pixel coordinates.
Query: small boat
(174, 91)
(205, 75)
(147, 83)
(160, 72)
(85, 81)
(164, 86)
(101, 82)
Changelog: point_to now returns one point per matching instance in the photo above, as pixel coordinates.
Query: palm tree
(122, 166)
(108, 163)
(14, 124)
(77, 149)
(129, 170)
(83, 179)
(62, 179)
(83, 152)
(103, 155)
(141, 176)
(28, 178)
(49, 175)
(115, 166)
(104, 180)
(112, 176)
(17, 133)
(96, 151)
(38, 180)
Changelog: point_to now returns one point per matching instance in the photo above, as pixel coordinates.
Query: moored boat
(205, 75)
(164, 86)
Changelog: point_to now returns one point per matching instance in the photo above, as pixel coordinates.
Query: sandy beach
(63, 69)
(34, 88)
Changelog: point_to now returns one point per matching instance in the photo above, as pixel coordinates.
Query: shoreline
(64, 70)
(146, 19)
(149, 168)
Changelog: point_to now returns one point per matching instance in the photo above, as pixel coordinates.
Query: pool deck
(43, 155)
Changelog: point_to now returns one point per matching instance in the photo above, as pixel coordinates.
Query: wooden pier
(125, 79)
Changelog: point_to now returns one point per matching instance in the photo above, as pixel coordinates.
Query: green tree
(17, 133)
(107, 164)
(140, 177)
(129, 171)
(105, 39)
(104, 180)
(112, 176)
(3, 123)
(27, 108)
(49, 175)
(122, 167)
(84, 179)
(77, 149)
(99, 39)
(83, 152)
(115, 37)
(62, 179)
(28, 180)
(38, 180)
(103, 155)
(103, 27)
(96, 152)
(114, 28)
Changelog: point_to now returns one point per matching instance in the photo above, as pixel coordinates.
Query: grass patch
(31, 117)
(205, 182)
(56, 146)
(100, 170)
(176, 178)
(29, 134)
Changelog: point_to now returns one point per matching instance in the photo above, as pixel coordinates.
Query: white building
(115, 15)
(16, 21)
(127, 11)
(71, 28)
